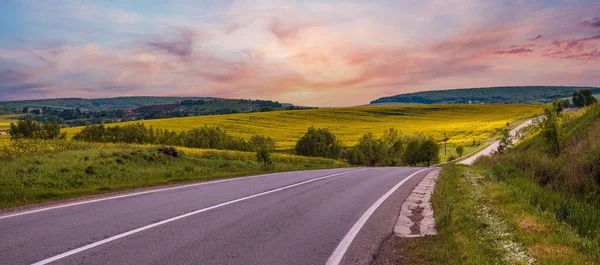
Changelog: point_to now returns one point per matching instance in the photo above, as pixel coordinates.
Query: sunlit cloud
(325, 53)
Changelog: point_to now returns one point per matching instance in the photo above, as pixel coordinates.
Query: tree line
(392, 149)
(203, 137)
(30, 129)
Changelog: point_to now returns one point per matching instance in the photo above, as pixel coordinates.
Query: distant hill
(95, 103)
(509, 94)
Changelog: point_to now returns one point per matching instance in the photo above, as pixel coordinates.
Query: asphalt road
(304, 217)
(494, 146)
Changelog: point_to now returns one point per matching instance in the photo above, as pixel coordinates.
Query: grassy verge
(485, 219)
(80, 170)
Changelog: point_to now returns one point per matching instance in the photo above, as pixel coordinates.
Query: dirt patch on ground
(528, 224)
(416, 217)
(545, 250)
(401, 250)
(391, 252)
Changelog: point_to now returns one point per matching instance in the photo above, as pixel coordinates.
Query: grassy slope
(484, 221)
(463, 123)
(40, 171)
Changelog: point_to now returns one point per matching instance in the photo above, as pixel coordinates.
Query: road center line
(134, 231)
(136, 194)
(340, 251)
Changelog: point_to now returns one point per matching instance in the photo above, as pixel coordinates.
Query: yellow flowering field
(251, 156)
(24, 147)
(10, 148)
(462, 123)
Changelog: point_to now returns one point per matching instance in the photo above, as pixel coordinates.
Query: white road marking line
(137, 193)
(340, 251)
(113, 238)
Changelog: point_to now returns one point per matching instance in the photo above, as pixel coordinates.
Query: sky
(308, 52)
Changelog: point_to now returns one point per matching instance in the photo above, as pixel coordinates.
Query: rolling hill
(95, 103)
(512, 95)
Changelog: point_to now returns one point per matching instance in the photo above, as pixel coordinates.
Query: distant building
(31, 110)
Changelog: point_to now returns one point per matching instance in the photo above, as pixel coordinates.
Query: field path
(494, 146)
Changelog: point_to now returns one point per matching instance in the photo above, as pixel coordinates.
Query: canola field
(462, 123)
(27, 147)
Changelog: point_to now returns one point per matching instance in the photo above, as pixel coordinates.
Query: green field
(6, 120)
(462, 123)
(34, 171)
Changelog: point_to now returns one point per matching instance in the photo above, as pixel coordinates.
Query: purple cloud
(181, 47)
(594, 23)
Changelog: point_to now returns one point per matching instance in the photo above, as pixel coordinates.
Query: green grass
(72, 173)
(486, 220)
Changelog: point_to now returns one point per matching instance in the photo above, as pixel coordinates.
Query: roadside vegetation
(42, 170)
(483, 219)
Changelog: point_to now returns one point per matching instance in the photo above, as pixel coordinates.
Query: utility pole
(445, 140)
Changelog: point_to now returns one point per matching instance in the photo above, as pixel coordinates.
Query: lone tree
(506, 141)
(583, 98)
(411, 155)
(318, 142)
(429, 151)
(460, 150)
(552, 131)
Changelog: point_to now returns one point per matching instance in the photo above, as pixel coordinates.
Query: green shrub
(263, 155)
(429, 152)
(318, 143)
(30, 129)
(460, 150)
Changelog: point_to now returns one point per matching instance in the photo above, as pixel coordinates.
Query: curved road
(494, 145)
(336, 216)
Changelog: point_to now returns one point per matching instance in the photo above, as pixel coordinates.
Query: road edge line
(340, 250)
(43, 209)
(143, 228)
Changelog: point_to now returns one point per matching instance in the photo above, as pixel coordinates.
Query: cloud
(514, 51)
(13, 76)
(308, 52)
(537, 37)
(181, 46)
(577, 49)
(594, 23)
